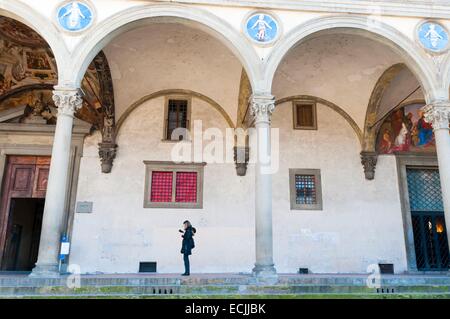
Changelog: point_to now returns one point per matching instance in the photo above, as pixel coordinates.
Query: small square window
(177, 117)
(305, 115)
(171, 185)
(305, 189)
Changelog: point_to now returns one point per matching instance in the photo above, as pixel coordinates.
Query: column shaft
(67, 102)
(262, 108)
(438, 114)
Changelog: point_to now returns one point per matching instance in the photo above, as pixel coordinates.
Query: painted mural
(28, 73)
(405, 130)
(21, 65)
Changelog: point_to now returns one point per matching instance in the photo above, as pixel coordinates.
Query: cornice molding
(437, 9)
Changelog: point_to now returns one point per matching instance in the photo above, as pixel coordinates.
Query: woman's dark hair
(188, 223)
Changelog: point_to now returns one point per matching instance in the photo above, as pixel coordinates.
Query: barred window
(305, 115)
(305, 189)
(177, 116)
(170, 185)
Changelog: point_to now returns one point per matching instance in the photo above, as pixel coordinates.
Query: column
(68, 101)
(438, 114)
(262, 107)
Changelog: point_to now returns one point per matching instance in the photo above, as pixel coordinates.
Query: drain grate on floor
(385, 290)
(164, 290)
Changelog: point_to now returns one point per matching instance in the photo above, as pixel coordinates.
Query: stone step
(217, 284)
(7, 291)
(164, 280)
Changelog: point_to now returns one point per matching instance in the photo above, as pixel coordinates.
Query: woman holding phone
(187, 244)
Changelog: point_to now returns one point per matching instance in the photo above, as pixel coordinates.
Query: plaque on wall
(262, 28)
(433, 36)
(84, 207)
(75, 16)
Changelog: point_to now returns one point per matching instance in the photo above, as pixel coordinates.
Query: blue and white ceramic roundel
(433, 36)
(262, 28)
(75, 16)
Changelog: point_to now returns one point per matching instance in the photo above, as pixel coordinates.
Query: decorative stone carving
(438, 114)
(67, 101)
(75, 16)
(107, 147)
(37, 112)
(262, 28)
(369, 162)
(107, 153)
(241, 158)
(433, 36)
(262, 107)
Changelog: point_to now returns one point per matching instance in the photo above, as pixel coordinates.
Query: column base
(265, 274)
(45, 271)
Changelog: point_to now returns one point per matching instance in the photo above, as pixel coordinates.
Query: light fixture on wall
(439, 227)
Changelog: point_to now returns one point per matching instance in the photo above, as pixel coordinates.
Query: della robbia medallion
(75, 16)
(262, 28)
(433, 36)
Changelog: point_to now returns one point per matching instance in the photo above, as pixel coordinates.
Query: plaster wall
(360, 223)
(120, 232)
(172, 56)
(361, 220)
(340, 68)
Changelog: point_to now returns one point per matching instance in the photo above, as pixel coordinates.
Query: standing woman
(187, 245)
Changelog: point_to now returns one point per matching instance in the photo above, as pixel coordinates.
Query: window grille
(428, 222)
(177, 117)
(305, 186)
(305, 189)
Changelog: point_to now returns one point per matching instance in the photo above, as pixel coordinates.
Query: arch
(161, 93)
(415, 58)
(372, 121)
(329, 104)
(99, 36)
(25, 14)
(370, 126)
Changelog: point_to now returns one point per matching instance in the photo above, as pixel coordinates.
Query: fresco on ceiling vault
(20, 66)
(19, 33)
(28, 72)
(405, 130)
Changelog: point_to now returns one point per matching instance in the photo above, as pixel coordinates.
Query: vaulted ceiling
(28, 73)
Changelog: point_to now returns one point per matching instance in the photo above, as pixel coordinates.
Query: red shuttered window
(161, 190)
(173, 185)
(186, 187)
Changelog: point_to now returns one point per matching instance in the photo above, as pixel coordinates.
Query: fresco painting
(405, 130)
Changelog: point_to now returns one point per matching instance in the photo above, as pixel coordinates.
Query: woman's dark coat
(188, 241)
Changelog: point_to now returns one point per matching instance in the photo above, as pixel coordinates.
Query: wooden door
(25, 177)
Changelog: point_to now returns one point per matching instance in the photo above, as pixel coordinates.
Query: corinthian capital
(67, 101)
(262, 107)
(438, 114)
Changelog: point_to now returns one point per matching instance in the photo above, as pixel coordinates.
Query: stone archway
(104, 32)
(415, 59)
